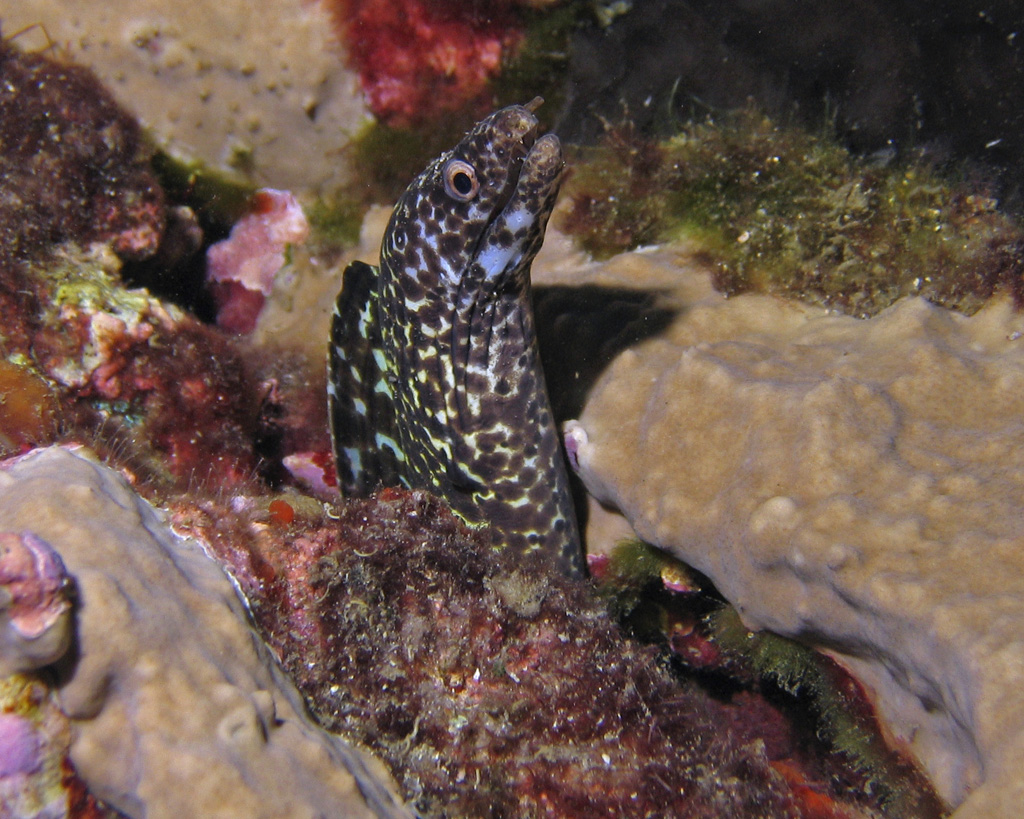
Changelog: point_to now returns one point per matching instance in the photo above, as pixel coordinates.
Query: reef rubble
(852, 483)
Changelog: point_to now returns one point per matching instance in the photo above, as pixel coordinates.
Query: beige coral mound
(177, 709)
(256, 87)
(854, 483)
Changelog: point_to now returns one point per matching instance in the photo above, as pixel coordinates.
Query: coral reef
(778, 209)
(86, 358)
(850, 483)
(125, 362)
(490, 688)
(297, 316)
(478, 663)
(175, 706)
(461, 672)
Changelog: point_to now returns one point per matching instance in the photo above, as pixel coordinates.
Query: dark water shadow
(580, 330)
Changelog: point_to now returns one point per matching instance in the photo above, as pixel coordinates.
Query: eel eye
(460, 180)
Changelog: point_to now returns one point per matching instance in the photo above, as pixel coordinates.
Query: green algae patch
(662, 600)
(386, 157)
(632, 570)
(837, 704)
(781, 210)
(540, 65)
(336, 220)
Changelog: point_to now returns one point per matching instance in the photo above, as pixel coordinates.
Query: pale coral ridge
(176, 707)
(853, 483)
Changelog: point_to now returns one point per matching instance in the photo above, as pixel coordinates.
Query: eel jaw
(515, 234)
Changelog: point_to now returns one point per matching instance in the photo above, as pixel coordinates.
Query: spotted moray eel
(434, 377)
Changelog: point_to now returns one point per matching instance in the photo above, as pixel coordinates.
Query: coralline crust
(856, 484)
(176, 707)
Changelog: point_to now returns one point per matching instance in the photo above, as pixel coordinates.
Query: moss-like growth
(707, 638)
(490, 687)
(618, 193)
(388, 157)
(842, 718)
(781, 210)
(73, 164)
(633, 571)
(336, 220)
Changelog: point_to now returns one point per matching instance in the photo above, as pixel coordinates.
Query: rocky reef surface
(854, 484)
(175, 706)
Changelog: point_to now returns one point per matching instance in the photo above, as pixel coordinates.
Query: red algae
(73, 167)
(120, 361)
(73, 164)
(281, 512)
(492, 688)
(84, 358)
(418, 59)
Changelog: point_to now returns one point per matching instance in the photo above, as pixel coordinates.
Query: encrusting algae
(493, 688)
(781, 210)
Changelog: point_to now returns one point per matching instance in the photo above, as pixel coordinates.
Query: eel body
(434, 377)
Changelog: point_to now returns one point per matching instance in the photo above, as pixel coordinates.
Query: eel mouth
(534, 171)
(515, 231)
(520, 135)
(513, 135)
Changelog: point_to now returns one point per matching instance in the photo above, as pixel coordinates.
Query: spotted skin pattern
(434, 376)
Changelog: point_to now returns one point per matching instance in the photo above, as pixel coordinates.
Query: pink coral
(20, 746)
(241, 269)
(313, 470)
(35, 604)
